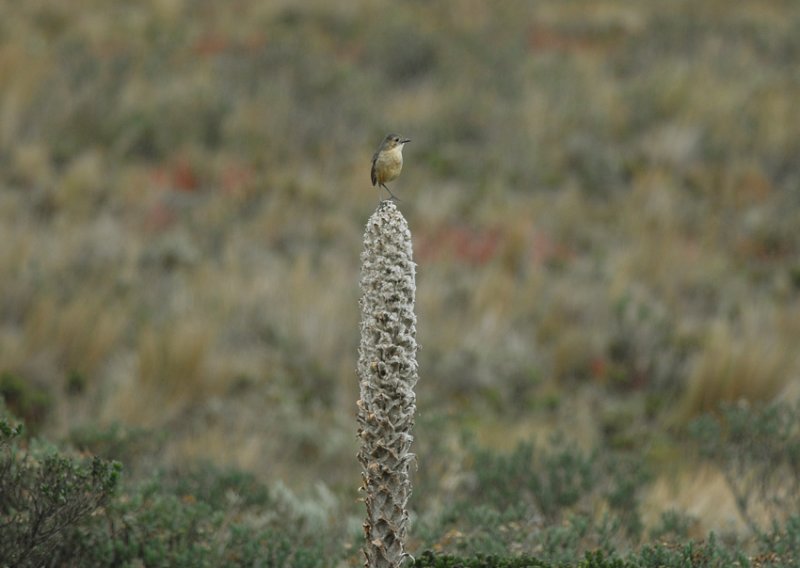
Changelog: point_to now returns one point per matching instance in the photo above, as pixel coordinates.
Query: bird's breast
(389, 164)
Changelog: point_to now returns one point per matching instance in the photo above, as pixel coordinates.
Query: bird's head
(392, 141)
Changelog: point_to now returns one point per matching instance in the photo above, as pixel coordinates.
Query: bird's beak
(405, 140)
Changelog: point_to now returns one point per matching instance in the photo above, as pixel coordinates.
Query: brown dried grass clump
(755, 365)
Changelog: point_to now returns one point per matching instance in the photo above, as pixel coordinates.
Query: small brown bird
(387, 162)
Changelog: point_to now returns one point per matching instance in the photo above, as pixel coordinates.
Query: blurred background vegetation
(604, 198)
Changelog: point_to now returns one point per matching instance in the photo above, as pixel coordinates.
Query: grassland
(604, 199)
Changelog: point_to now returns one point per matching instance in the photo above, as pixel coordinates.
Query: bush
(60, 510)
(44, 496)
(431, 560)
(758, 451)
(25, 399)
(559, 501)
(198, 517)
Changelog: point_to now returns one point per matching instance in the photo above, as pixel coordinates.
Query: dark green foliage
(782, 545)
(202, 517)
(76, 383)
(625, 475)
(157, 528)
(545, 499)
(556, 506)
(25, 399)
(58, 510)
(707, 554)
(551, 480)
(505, 511)
(674, 525)
(270, 549)
(44, 495)
(430, 560)
(596, 559)
(116, 442)
(758, 451)
(794, 276)
(218, 487)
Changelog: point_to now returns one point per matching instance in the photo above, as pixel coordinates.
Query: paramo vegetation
(604, 202)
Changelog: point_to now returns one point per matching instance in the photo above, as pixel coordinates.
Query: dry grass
(701, 493)
(83, 333)
(754, 366)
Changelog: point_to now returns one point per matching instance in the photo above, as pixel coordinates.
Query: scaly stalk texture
(387, 371)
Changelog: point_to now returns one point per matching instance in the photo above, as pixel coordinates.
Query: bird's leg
(383, 185)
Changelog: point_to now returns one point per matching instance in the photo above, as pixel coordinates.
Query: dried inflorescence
(387, 370)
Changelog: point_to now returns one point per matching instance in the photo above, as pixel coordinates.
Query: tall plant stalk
(387, 371)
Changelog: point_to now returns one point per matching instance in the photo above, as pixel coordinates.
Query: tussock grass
(753, 366)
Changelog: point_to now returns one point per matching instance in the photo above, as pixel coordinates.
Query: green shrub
(59, 510)
(25, 399)
(594, 559)
(552, 480)
(124, 444)
(782, 544)
(199, 517)
(430, 560)
(758, 451)
(45, 496)
(558, 501)
(709, 553)
(673, 525)
(218, 487)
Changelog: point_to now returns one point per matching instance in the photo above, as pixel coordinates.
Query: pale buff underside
(388, 165)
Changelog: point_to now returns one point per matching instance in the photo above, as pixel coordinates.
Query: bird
(387, 162)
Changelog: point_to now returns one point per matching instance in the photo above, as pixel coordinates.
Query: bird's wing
(372, 171)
